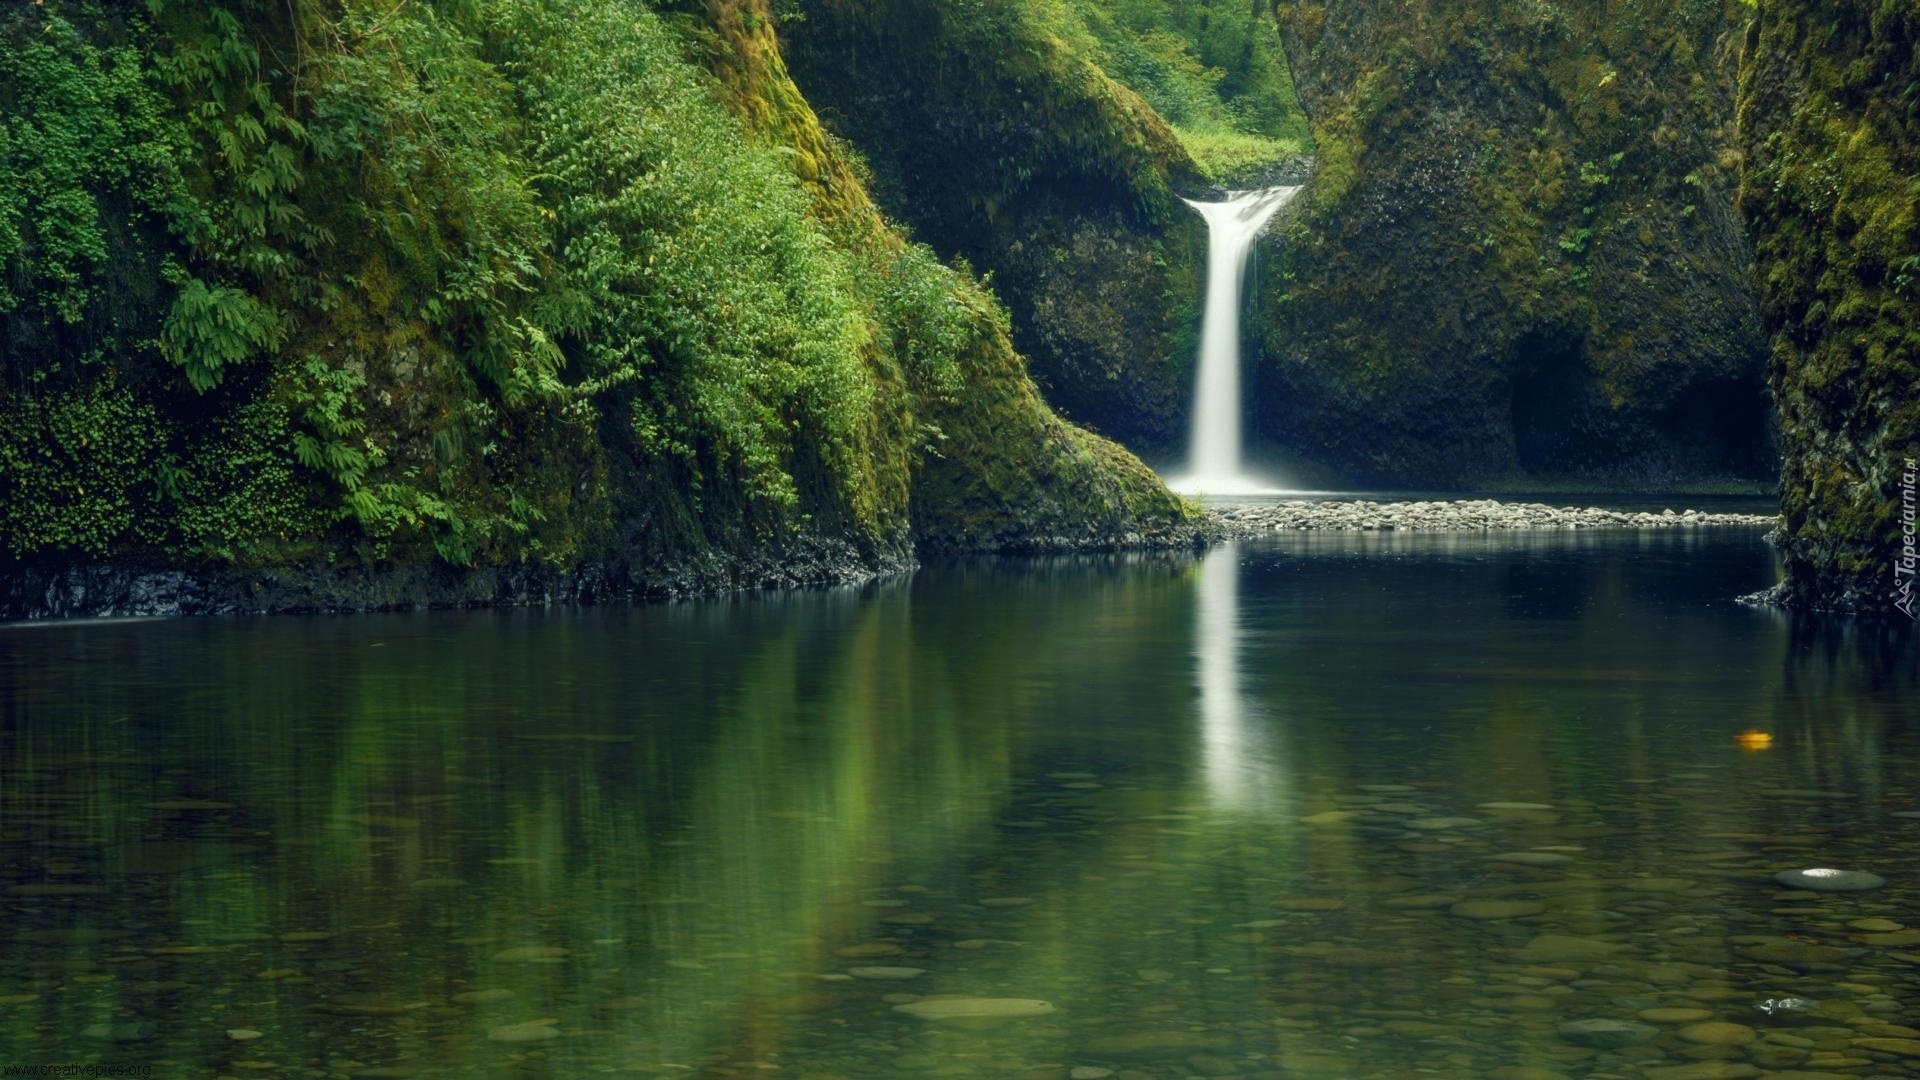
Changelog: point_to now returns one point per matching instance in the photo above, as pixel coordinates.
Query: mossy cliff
(334, 289)
(1830, 124)
(993, 131)
(1000, 471)
(1519, 256)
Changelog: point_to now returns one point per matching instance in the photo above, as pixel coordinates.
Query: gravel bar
(1470, 515)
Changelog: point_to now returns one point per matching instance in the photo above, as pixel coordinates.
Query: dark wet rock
(1606, 1034)
(124, 589)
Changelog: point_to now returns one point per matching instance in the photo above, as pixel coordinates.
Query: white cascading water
(1213, 460)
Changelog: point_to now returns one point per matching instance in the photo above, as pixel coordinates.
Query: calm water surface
(1332, 806)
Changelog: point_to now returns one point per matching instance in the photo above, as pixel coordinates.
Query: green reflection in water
(1218, 813)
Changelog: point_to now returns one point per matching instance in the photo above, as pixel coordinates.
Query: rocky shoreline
(121, 590)
(1465, 515)
(118, 590)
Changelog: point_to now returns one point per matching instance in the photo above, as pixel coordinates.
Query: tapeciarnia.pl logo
(1903, 564)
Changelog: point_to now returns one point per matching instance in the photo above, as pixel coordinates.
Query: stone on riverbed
(1674, 1015)
(973, 1008)
(1531, 858)
(1434, 824)
(1877, 926)
(1799, 955)
(1564, 948)
(1903, 1047)
(1496, 909)
(1606, 1034)
(529, 1031)
(1718, 1033)
(1153, 1043)
(1827, 879)
(532, 954)
(886, 972)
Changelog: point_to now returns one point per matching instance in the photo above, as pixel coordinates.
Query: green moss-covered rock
(993, 468)
(992, 130)
(1831, 189)
(1519, 257)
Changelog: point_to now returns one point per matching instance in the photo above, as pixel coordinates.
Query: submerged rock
(529, 1031)
(1606, 1034)
(1827, 879)
(1496, 909)
(1552, 948)
(973, 1008)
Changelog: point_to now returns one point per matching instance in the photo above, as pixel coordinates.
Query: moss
(1832, 150)
(1518, 255)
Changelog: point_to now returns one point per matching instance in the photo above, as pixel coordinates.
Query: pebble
(532, 954)
(1496, 909)
(123, 1031)
(1673, 1015)
(1531, 858)
(1563, 948)
(870, 948)
(1902, 1047)
(886, 972)
(528, 1031)
(974, 1008)
(1606, 1034)
(1436, 823)
(1153, 1043)
(1877, 926)
(1718, 1033)
(1704, 1070)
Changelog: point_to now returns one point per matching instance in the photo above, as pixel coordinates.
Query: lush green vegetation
(499, 281)
(1214, 69)
(1832, 190)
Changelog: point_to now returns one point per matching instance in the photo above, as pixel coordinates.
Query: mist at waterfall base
(1215, 448)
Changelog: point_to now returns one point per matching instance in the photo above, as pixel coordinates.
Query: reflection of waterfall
(1238, 773)
(1213, 463)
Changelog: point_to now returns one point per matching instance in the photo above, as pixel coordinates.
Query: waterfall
(1213, 460)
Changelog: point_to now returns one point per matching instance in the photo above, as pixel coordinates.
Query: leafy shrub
(75, 465)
